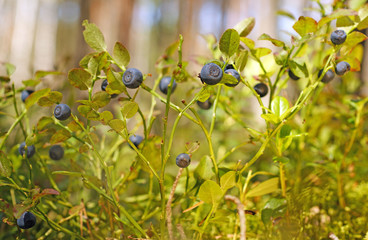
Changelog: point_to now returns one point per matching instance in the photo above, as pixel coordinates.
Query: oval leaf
(210, 192)
(265, 187)
(80, 78)
(305, 25)
(279, 105)
(93, 36)
(245, 26)
(229, 42)
(129, 109)
(121, 54)
(228, 181)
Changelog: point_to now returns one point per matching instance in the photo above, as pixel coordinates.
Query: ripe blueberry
(56, 152)
(30, 150)
(261, 89)
(164, 85)
(328, 77)
(136, 140)
(235, 74)
(229, 66)
(103, 88)
(342, 67)
(293, 76)
(26, 220)
(338, 37)
(205, 105)
(132, 78)
(25, 94)
(211, 74)
(62, 111)
(183, 160)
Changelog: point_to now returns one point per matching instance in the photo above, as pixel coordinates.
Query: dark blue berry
(164, 85)
(31, 150)
(103, 88)
(56, 152)
(261, 89)
(62, 111)
(183, 160)
(235, 74)
(229, 66)
(338, 37)
(342, 68)
(25, 94)
(293, 76)
(211, 74)
(205, 105)
(132, 78)
(327, 77)
(136, 140)
(26, 220)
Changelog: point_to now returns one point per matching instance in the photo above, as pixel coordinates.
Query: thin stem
(242, 220)
(19, 118)
(17, 113)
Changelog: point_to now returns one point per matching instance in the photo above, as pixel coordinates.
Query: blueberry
(293, 76)
(338, 37)
(205, 105)
(26, 220)
(183, 160)
(31, 150)
(25, 94)
(164, 85)
(132, 78)
(62, 111)
(235, 74)
(229, 66)
(56, 152)
(328, 77)
(342, 67)
(103, 88)
(261, 89)
(211, 74)
(136, 140)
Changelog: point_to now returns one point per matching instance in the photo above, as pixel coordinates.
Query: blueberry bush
(120, 155)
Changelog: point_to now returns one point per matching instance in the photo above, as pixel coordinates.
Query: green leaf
(210, 192)
(345, 21)
(305, 25)
(43, 122)
(270, 117)
(152, 151)
(93, 36)
(286, 14)
(353, 39)
(363, 24)
(105, 117)
(241, 60)
(206, 94)
(116, 85)
(261, 52)
(337, 14)
(298, 69)
(50, 99)
(274, 41)
(285, 131)
(245, 26)
(5, 165)
(283, 160)
(203, 170)
(4, 79)
(35, 96)
(229, 42)
(121, 54)
(10, 69)
(229, 79)
(88, 112)
(279, 105)
(129, 109)
(117, 125)
(31, 82)
(101, 98)
(80, 78)
(228, 180)
(41, 74)
(264, 188)
(60, 136)
(248, 42)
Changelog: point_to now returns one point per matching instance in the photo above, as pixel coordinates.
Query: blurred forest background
(47, 34)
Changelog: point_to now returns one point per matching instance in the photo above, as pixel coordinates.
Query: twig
(240, 207)
(168, 205)
(181, 231)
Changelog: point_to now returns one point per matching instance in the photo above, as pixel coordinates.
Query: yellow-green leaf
(264, 188)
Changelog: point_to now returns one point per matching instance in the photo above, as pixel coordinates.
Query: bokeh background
(47, 34)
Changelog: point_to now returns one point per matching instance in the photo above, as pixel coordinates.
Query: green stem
(19, 118)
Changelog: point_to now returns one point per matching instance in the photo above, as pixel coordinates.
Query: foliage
(297, 170)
